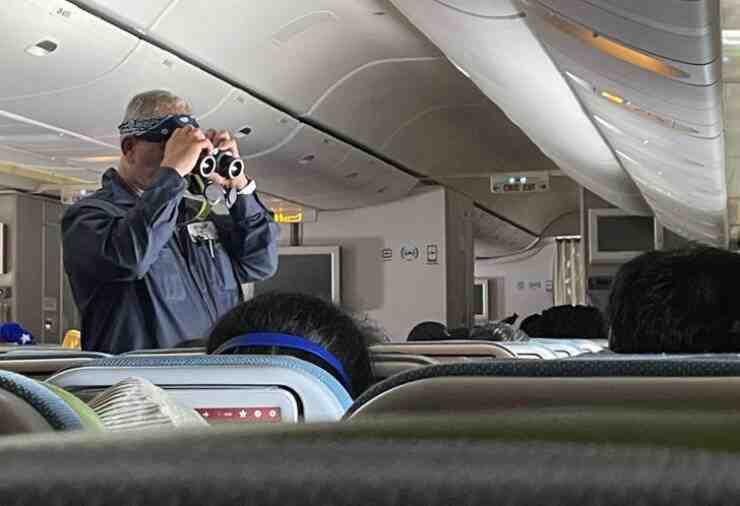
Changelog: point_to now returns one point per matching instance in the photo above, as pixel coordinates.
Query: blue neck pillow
(270, 339)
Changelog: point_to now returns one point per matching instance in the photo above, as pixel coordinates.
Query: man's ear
(127, 148)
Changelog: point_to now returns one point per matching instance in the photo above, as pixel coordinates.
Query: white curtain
(568, 273)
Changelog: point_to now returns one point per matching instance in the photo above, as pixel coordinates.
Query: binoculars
(222, 164)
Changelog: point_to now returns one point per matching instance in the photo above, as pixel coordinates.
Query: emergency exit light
(526, 182)
(288, 217)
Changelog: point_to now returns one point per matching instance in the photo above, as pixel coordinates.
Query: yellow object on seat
(72, 340)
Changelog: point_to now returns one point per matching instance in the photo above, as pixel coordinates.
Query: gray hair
(155, 104)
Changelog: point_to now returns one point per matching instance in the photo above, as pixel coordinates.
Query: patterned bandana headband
(156, 129)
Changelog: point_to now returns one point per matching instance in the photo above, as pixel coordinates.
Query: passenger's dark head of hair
(531, 325)
(572, 322)
(511, 320)
(429, 331)
(300, 315)
(680, 301)
(460, 333)
(497, 331)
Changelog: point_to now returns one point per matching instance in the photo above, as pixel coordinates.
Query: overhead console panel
(649, 76)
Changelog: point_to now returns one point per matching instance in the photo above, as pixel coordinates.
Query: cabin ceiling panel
(294, 52)
(25, 23)
(533, 211)
(34, 145)
(141, 14)
(466, 140)
(500, 237)
(380, 100)
(327, 174)
(483, 8)
(509, 65)
(97, 108)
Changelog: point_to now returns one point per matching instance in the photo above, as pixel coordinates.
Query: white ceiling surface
(86, 100)
(357, 67)
(495, 240)
(507, 62)
(536, 211)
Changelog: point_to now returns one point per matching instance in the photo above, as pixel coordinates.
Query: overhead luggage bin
(682, 31)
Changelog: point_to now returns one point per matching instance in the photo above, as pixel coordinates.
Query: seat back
(245, 388)
(40, 364)
(446, 351)
(568, 347)
(166, 351)
(29, 406)
(460, 350)
(386, 365)
(671, 383)
(427, 462)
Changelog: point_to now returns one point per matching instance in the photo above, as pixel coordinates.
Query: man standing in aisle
(144, 272)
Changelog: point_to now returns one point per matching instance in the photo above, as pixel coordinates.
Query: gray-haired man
(144, 272)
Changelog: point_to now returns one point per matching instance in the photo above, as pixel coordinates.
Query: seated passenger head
(570, 322)
(676, 302)
(498, 331)
(429, 331)
(531, 325)
(306, 317)
(460, 333)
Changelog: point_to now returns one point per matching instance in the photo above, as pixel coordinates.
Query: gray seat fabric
(49, 405)
(613, 366)
(18, 417)
(322, 468)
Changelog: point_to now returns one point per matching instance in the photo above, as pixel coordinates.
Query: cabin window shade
(615, 49)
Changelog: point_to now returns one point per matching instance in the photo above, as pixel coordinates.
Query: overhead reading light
(42, 48)
(615, 49)
(666, 122)
(613, 98)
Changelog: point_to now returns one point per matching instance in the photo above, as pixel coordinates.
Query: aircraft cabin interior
(382, 252)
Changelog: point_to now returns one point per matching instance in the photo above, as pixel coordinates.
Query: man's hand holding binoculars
(224, 142)
(185, 152)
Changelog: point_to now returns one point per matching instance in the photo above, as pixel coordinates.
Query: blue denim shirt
(141, 281)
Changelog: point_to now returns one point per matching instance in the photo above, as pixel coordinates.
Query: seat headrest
(44, 400)
(270, 339)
